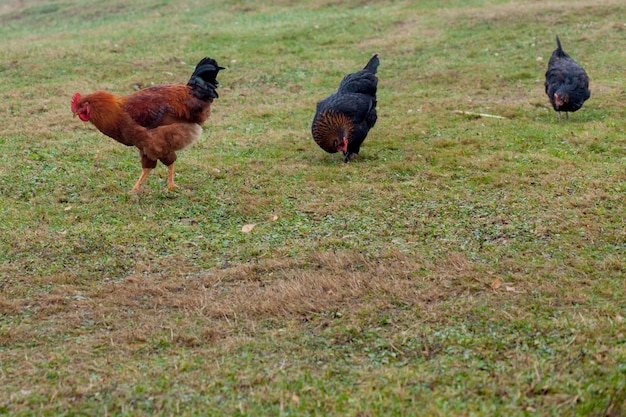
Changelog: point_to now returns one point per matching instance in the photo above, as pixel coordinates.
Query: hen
(343, 119)
(158, 120)
(567, 83)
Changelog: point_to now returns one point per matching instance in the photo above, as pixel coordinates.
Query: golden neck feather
(329, 127)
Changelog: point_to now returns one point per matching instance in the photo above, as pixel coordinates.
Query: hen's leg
(349, 156)
(144, 175)
(170, 178)
(147, 165)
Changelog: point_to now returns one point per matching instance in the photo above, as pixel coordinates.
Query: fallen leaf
(247, 228)
(497, 283)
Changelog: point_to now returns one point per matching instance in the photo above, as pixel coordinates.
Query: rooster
(343, 119)
(567, 83)
(158, 120)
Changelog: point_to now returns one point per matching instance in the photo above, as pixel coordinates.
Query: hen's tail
(361, 82)
(372, 65)
(203, 81)
(559, 50)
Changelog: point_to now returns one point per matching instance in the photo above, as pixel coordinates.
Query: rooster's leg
(170, 178)
(144, 175)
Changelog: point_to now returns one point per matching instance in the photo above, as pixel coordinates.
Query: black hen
(567, 83)
(343, 119)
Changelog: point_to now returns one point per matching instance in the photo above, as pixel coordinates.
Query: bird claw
(135, 190)
(348, 156)
(171, 187)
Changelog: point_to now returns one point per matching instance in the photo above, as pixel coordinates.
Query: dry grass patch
(273, 289)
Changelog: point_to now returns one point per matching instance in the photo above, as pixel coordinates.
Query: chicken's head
(561, 99)
(341, 143)
(332, 131)
(81, 108)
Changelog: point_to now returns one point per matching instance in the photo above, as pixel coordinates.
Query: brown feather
(166, 104)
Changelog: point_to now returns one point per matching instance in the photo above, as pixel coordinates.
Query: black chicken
(343, 119)
(567, 83)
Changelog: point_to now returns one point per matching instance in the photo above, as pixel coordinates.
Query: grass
(462, 265)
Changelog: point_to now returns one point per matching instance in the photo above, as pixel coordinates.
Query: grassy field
(461, 265)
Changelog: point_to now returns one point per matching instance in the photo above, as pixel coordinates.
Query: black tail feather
(362, 82)
(203, 81)
(559, 50)
(372, 65)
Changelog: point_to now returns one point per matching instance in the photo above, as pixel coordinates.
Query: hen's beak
(344, 148)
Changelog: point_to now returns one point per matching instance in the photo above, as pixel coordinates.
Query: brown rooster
(158, 120)
(343, 119)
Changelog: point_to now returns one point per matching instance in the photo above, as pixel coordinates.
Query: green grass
(461, 265)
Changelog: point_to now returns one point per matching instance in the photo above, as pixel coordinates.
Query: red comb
(75, 101)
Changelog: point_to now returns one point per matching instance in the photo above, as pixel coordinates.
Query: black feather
(362, 82)
(203, 81)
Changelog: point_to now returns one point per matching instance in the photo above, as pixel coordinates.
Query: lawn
(462, 264)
